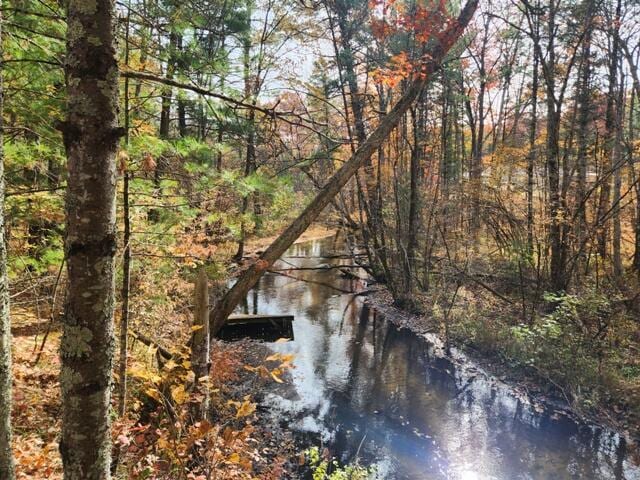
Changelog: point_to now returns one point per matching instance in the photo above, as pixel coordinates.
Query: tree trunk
(610, 140)
(478, 145)
(584, 100)
(418, 121)
(434, 57)
(531, 156)
(348, 77)
(200, 345)
(90, 136)
(7, 468)
(167, 91)
(635, 97)
(250, 158)
(126, 283)
(617, 183)
(126, 257)
(182, 103)
(556, 212)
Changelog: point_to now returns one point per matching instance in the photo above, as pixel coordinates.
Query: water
(364, 388)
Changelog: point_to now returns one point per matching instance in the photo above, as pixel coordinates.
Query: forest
(319, 239)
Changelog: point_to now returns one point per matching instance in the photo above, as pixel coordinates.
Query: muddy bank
(246, 368)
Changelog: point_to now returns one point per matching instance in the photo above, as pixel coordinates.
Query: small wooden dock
(268, 328)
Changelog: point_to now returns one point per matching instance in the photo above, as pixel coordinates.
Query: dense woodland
(482, 160)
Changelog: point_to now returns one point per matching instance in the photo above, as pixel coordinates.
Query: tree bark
(584, 100)
(200, 345)
(434, 56)
(556, 210)
(90, 136)
(250, 93)
(604, 201)
(126, 256)
(531, 155)
(7, 468)
(167, 92)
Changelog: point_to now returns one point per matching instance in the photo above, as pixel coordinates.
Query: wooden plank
(268, 328)
(252, 318)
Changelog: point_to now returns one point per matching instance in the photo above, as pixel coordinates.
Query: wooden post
(200, 344)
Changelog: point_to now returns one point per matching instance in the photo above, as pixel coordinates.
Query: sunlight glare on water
(469, 475)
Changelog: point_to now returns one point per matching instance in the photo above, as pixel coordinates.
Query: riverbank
(243, 441)
(366, 390)
(526, 383)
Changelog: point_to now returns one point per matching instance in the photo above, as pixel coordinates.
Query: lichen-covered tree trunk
(6, 457)
(90, 135)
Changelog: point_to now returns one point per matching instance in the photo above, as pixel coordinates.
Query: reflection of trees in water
(412, 382)
(361, 365)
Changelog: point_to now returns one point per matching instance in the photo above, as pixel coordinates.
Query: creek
(364, 388)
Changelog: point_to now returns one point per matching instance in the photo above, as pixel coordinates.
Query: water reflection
(367, 389)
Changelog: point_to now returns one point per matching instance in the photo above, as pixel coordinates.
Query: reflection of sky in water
(393, 399)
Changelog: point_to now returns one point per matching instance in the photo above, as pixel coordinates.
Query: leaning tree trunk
(434, 56)
(7, 470)
(90, 136)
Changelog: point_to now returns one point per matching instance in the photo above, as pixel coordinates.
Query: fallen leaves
(36, 407)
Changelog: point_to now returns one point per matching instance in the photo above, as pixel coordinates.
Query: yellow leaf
(179, 395)
(143, 374)
(153, 393)
(139, 373)
(287, 358)
(234, 458)
(246, 409)
(274, 375)
(170, 365)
